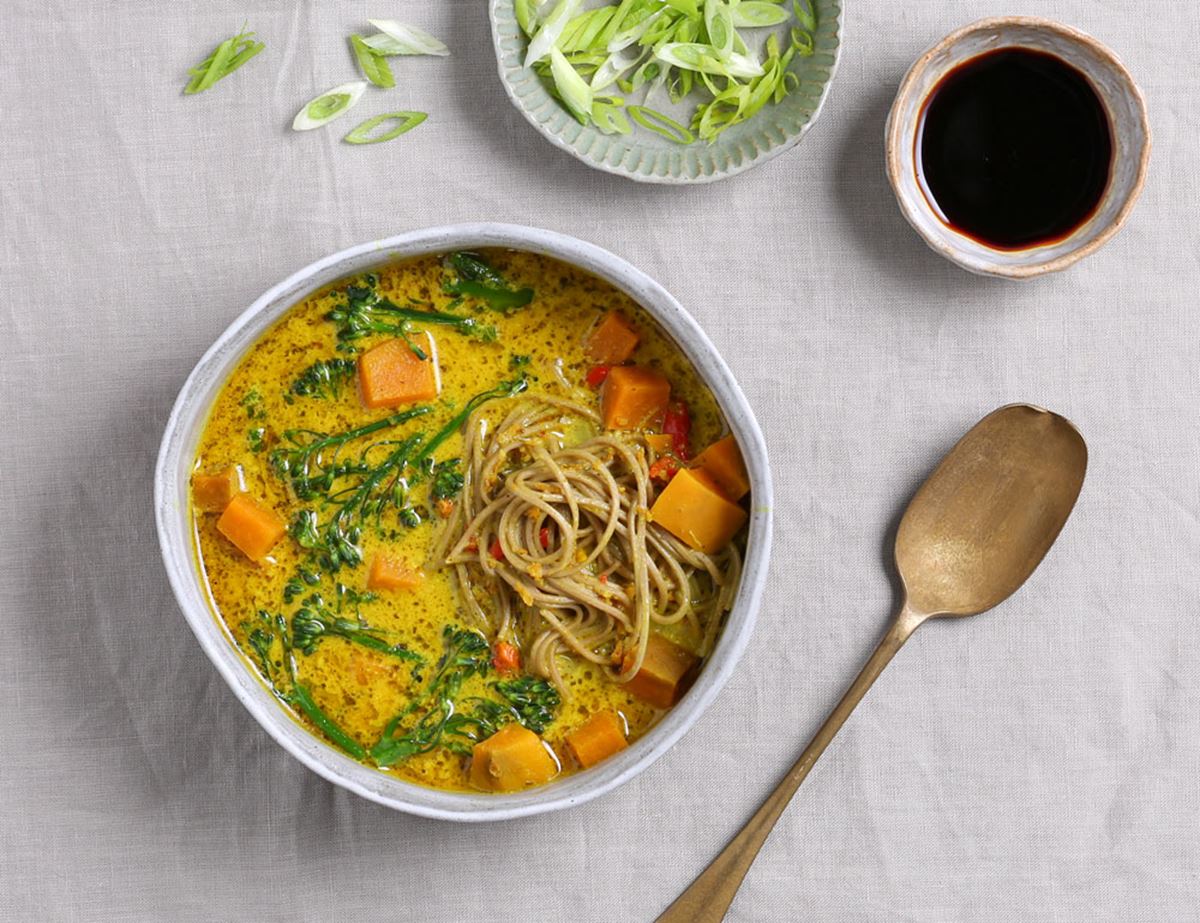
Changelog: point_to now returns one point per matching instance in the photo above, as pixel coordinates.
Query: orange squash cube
(693, 510)
(211, 493)
(251, 528)
(390, 374)
(390, 574)
(722, 463)
(660, 443)
(596, 739)
(511, 759)
(666, 673)
(633, 396)
(612, 341)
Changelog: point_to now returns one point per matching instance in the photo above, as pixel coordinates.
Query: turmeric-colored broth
(358, 688)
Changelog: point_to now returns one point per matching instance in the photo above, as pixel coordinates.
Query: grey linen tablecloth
(1041, 762)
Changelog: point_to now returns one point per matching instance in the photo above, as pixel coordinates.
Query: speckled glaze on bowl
(1127, 118)
(649, 158)
(172, 482)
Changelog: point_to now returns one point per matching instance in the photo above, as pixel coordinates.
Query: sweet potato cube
(666, 673)
(388, 573)
(612, 341)
(511, 759)
(693, 510)
(212, 492)
(390, 374)
(597, 739)
(251, 528)
(722, 463)
(633, 397)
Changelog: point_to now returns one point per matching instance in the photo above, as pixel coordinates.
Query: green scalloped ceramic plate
(648, 158)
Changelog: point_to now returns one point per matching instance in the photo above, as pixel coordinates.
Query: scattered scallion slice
(526, 16)
(225, 59)
(328, 106)
(719, 21)
(573, 90)
(400, 38)
(806, 14)
(374, 65)
(660, 124)
(405, 121)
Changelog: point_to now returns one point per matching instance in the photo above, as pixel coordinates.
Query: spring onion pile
(682, 47)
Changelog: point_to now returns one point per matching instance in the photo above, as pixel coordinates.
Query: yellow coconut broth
(357, 688)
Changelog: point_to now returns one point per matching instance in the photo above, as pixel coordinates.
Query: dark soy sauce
(1014, 148)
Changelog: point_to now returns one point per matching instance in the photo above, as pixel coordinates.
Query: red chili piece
(597, 374)
(677, 423)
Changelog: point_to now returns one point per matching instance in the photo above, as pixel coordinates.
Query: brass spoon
(970, 537)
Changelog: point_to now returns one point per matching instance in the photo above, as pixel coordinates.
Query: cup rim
(897, 132)
(174, 532)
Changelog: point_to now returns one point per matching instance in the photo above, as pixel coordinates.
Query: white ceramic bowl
(171, 485)
(1127, 119)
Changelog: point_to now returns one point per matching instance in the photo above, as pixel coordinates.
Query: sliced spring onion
(610, 119)
(400, 38)
(552, 27)
(374, 65)
(328, 106)
(526, 17)
(705, 59)
(660, 124)
(365, 132)
(628, 36)
(615, 66)
(573, 90)
(756, 14)
(802, 41)
(806, 14)
(719, 20)
(225, 59)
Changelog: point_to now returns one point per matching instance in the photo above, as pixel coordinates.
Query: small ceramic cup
(1128, 124)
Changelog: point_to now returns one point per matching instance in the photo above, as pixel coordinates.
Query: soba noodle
(552, 544)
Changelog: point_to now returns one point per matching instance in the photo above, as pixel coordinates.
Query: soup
(473, 519)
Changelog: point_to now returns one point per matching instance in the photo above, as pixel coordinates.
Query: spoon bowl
(986, 517)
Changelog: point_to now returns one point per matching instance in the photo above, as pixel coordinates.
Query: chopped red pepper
(664, 468)
(506, 658)
(597, 374)
(604, 578)
(495, 550)
(677, 423)
(544, 538)
(472, 545)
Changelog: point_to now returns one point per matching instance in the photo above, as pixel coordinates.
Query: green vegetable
(447, 479)
(256, 438)
(466, 654)
(314, 622)
(374, 65)
(532, 699)
(397, 38)
(687, 47)
(661, 124)
(228, 57)
(272, 633)
(324, 379)
(405, 121)
(471, 275)
(573, 90)
(328, 106)
(360, 490)
(367, 313)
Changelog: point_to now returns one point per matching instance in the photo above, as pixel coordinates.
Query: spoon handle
(707, 899)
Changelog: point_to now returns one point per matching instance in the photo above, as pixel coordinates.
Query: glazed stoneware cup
(1128, 125)
(174, 521)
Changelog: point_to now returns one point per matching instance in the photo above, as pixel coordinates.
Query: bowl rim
(742, 166)
(895, 132)
(190, 412)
